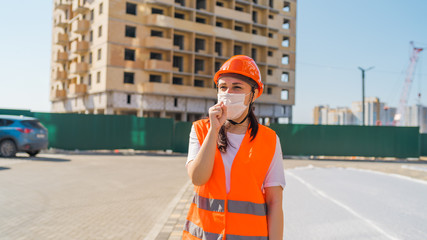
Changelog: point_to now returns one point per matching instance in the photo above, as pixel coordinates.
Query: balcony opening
(217, 66)
(129, 54)
(270, 53)
(155, 56)
(180, 2)
(218, 24)
(178, 40)
(178, 63)
(271, 3)
(177, 81)
(284, 77)
(128, 77)
(155, 33)
(238, 50)
(285, 24)
(155, 78)
(254, 31)
(269, 91)
(285, 42)
(128, 99)
(199, 83)
(200, 44)
(201, 4)
(270, 72)
(200, 20)
(218, 48)
(254, 53)
(131, 8)
(255, 1)
(270, 16)
(100, 31)
(238, 28)
(98, 77)
(175, 102)
(286, 6)
(179, 15)
(284, 94)
(270, 35)
(254, 16)
(238, 8)
(130, 31)
(285, 59)
(219, 4)
(199, 65)
(156, 11)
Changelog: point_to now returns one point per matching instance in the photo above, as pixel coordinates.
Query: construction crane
(399, 117)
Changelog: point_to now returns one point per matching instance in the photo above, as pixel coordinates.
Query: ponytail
(222, 135)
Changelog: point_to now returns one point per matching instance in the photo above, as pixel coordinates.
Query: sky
(334, 38)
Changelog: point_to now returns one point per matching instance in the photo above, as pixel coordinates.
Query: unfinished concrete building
(157, 58)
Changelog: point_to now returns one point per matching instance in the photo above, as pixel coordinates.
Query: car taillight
(25, 130)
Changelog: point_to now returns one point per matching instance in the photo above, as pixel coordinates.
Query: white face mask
(235, 103)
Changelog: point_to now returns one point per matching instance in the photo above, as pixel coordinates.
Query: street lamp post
(363, 92)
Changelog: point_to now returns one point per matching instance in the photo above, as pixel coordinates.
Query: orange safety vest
(242, 213)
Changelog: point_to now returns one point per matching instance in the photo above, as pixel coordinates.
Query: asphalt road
(346, 203)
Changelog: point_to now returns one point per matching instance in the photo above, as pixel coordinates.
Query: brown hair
(253, 121)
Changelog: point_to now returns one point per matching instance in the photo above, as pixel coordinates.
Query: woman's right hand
(217, 116)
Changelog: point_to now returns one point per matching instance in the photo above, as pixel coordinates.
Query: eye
(223, 87)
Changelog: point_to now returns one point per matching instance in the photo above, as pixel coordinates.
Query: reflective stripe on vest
(217, 205)
(238, 237)
(198, 232)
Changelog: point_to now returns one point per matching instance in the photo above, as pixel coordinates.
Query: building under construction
(157, 58)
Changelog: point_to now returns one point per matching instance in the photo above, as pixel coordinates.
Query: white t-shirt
(275, 174)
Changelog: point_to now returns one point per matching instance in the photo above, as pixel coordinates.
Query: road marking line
(166, 213)
(415, 168)
(321, 193)
(390, 174)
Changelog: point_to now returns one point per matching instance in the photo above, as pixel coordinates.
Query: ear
(255, 95)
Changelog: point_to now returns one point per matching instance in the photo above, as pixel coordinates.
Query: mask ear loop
(250, 107)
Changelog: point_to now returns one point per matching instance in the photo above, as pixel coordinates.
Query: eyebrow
(235, 83)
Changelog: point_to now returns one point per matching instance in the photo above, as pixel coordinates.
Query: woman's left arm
(274, 212)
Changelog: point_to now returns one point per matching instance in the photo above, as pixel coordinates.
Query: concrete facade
(157, 58)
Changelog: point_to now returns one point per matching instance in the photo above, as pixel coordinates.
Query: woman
(235, 163)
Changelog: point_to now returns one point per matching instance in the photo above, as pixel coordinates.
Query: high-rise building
(157, 58)
(323, 115)
(416, 115)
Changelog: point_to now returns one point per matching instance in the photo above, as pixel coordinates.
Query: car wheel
(33, 153)
(7, 148)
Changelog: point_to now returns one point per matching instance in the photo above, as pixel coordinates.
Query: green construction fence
(91, 132)
(339, 140)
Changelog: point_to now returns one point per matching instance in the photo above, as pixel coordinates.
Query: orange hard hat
(242, 65)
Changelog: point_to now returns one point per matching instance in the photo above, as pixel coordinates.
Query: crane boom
(400, 113)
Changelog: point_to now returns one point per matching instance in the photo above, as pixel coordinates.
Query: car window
(32, 124)
(5, 122)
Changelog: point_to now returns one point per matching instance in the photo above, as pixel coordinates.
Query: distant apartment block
(376, 113)
(328, 116)
(157, 58)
